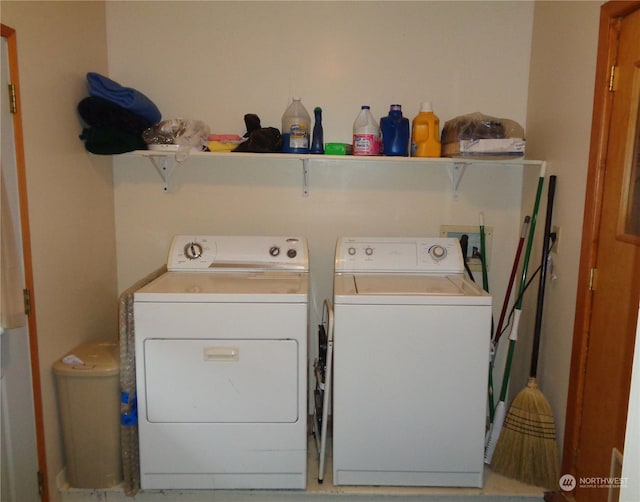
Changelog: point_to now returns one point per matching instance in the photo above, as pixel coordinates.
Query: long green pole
(500, 410)
(505, 305)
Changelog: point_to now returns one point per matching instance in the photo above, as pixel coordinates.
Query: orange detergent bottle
(425, 133)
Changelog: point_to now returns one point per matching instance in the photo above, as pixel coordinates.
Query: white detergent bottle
(296, 124)
(366, 133)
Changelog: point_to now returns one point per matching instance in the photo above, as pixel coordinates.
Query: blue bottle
(317, 141)
(395, 133)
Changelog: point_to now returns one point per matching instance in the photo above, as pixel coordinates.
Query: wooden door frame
(602, 105)
(10, 35)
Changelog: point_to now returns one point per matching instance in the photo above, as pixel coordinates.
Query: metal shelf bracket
(305, 177)
(165, 166)
(456, 172)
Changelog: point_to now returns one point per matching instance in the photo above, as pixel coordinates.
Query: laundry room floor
(496, 487)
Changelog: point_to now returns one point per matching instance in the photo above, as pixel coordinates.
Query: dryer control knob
(437, 252)
(351, 251)
(292, 253)
(368, 251)
(193, 251)
(274, 250)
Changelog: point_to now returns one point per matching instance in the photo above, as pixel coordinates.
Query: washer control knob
(437, 252)
(274, 250)
(292, 253)
(368, 251)
(351, 251)
(193, 250)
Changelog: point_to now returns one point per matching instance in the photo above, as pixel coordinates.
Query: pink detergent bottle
(366, 134)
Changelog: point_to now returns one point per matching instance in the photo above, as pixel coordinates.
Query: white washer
(411, 354)
(221, 359)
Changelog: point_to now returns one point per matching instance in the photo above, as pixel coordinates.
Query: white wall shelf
(165, 163)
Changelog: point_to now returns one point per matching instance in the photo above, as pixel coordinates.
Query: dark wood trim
(609, 14)
(558, 496)
(10, 35)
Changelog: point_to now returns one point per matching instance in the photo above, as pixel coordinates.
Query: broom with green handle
(526, 449)
(500, 410)
(505, 305)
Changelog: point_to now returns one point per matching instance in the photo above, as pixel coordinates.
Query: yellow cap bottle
(425, 133)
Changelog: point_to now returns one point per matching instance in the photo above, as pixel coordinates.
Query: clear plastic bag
(180, 135)
(480, 126)
(482, 136)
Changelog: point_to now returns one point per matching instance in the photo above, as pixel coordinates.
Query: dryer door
(218, 381)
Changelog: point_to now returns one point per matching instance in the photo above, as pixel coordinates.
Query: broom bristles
(526, 449)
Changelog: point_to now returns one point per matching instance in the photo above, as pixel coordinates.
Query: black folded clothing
(99, 112)
(110, 140)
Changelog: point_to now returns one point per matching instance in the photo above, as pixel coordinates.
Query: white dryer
(221, 365)
(411, 352)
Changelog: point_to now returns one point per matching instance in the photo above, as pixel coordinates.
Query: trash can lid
(101, 358)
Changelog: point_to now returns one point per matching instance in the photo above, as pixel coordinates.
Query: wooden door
(609, 284)
(23, 469)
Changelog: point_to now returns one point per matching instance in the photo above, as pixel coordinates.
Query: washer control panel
(399, 254)
(237, 253)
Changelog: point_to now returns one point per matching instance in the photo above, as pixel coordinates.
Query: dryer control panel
(399, 254)
(237, 253)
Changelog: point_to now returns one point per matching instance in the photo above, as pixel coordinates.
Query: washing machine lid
(242, 287)
(419, 289)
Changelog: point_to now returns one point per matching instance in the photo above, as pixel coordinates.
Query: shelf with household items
(165, 163)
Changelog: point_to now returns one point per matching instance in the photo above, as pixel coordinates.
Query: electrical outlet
(473, 249)
(556, 245)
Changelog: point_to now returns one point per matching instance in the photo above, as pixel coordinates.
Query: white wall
(70, 193)
(217, 61)
(630, 492)
(563, 61)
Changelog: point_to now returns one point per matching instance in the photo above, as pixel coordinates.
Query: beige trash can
(88, 385)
